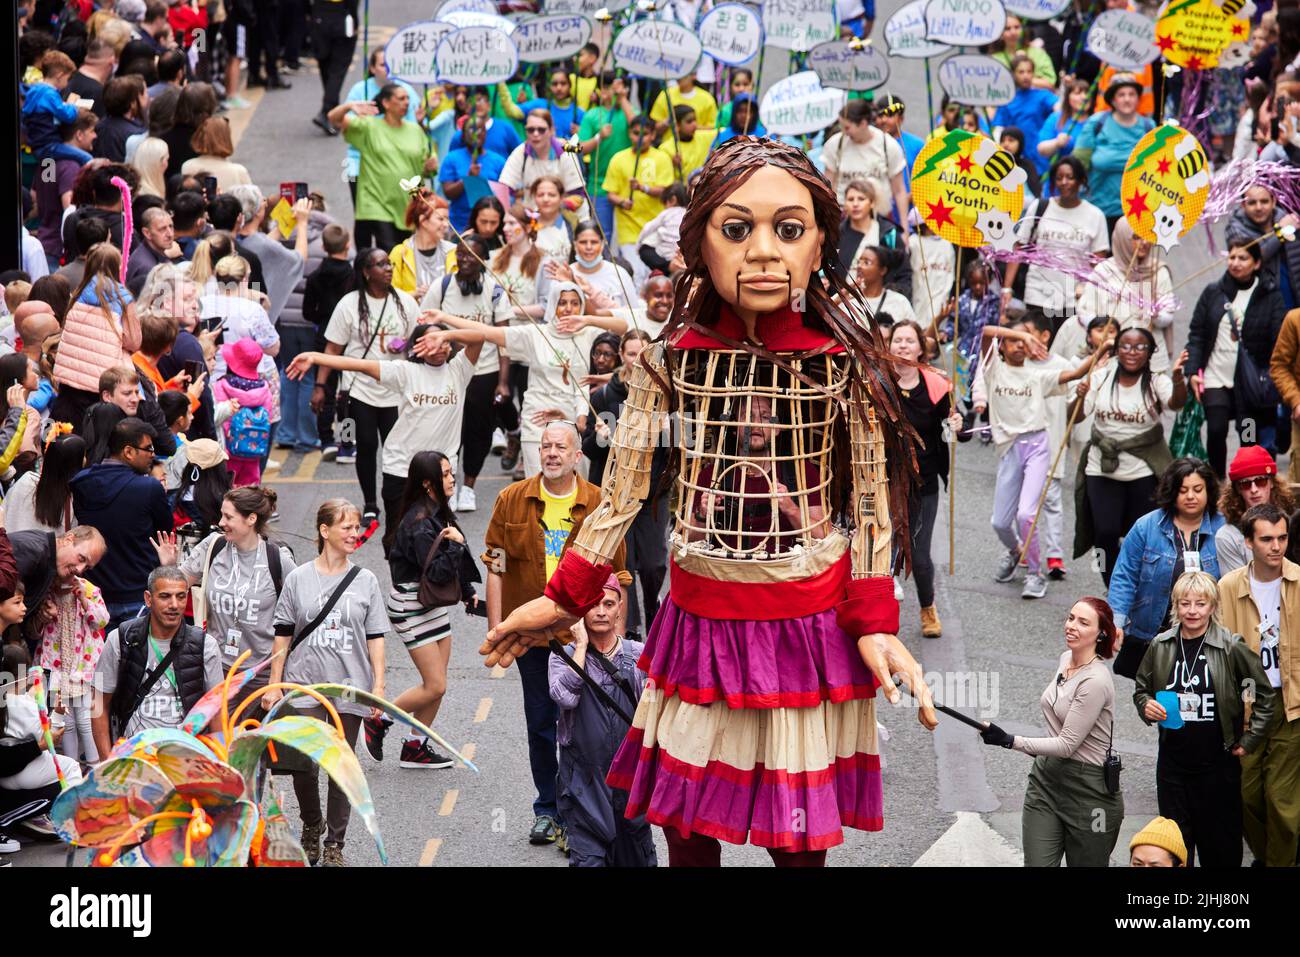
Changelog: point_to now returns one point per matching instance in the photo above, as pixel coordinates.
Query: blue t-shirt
(500, 138)
(912, 146)
(1027, 111)
(455, 168)
(562, 115)
(1111, 143)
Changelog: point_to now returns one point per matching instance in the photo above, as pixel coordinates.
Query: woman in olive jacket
(1214, 676)
(1243, 310)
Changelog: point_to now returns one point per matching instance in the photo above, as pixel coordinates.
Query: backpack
(248, 433)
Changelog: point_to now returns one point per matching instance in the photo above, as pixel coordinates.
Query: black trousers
(325, 417)
(390, 490)
(372, 232)
(922, 510)
(333, 50)
(1207, 807)
(1115, 507)
(264, 41)
(1220, 409)
(482, 415)
(371, 425)
(293, 27)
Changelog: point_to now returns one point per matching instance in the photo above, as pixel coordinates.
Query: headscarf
(1123, 246)
(553, 301)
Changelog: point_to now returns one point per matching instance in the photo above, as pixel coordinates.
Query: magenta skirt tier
(753, 731)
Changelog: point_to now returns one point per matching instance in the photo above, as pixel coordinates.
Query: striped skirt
(415, 625)
(758, 731)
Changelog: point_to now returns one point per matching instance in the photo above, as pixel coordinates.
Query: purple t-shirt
(48, 193)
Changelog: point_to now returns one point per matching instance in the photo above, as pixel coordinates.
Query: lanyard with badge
(170, 673)
(1191, 550)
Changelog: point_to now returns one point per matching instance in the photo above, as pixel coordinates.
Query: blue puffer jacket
(1144, 576)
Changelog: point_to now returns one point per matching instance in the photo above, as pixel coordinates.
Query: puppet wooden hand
(528, 626)
(885, 655)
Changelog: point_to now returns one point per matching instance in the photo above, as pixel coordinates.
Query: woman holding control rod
(1073, 807)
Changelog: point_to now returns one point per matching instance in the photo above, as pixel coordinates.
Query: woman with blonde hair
(100, 332)
(213, 145)
(150, 161)
(1207, 672)
(215, 246)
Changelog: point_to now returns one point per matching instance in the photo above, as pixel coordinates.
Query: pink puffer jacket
(92, 344)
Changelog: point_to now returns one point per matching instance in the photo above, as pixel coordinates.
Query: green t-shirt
(388, 156)
(520, 92)
(592, 121)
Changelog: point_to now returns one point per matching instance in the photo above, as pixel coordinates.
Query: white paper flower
(857, 43)
(603, 15)
(646, 6)
(1171, 68)
(1286, 233)
(410, 185)
(573, 145)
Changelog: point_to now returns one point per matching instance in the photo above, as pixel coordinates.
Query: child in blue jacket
(44, 110)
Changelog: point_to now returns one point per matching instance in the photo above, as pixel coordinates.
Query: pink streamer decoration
(128, 224)
(1228, 186)
(1080, 266)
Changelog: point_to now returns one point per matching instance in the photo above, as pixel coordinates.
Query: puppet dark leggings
(700, 851)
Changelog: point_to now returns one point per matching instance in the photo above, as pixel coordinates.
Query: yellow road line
(430, 851)
(307, 467)
(484, 707)
(448, 803)
(240, 119)
(468, 751)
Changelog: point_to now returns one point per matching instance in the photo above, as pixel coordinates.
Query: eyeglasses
(142, 448)
(1138, 347)
(1257, 481)
(536, 129)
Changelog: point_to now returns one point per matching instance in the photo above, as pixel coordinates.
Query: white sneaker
(465, 500)
(898, 588)
(1035, 586)
(8, 845)
(498, 442)
(272, 464)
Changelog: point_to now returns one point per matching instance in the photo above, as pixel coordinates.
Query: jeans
(307, 789)
(120, 611)
(540, 715)
(66, 151)
(605, 214)
(297, 420)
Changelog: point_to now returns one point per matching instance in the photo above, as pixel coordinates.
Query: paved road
(948, 799)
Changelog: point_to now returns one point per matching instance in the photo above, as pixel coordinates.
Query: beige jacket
(1239, 615)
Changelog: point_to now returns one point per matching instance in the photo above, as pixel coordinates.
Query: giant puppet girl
(758, 720)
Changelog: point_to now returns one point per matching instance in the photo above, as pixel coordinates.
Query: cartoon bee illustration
(1191, 164)
(1230, 7)
(999, 166)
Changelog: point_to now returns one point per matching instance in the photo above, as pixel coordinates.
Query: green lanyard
(158, 656)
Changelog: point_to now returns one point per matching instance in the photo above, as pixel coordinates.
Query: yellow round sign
(1194, 33)
(1165, 185)
(968, 190)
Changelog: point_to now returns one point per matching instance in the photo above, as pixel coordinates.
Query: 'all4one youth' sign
(657, 49)
(799, 25)
(476, 56)
(964, 23)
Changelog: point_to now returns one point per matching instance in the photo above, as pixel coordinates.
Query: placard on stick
(1036, 9)
(964, 23)
(1123, 39)
(413, 50)
(551, 36)
(731, 33)
(841, 66)
(905, 34)
(799, 25)
(476, 56)
(973, 79)
(657, 49)
(799, 105)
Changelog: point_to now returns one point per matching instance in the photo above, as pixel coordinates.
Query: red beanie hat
(1251, 460)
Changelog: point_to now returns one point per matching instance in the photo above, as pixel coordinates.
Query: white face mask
(588, 263)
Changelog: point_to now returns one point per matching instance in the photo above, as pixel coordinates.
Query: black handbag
(1130, 656)
(1252, 386)
(437, 594)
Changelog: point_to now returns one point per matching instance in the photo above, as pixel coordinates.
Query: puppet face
(1168, 225)
(762, 243)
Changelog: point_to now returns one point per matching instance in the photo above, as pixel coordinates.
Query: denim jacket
(1143, 577)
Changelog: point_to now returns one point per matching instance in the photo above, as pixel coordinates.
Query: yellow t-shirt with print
(654, 168)
(699, 99)
(557, 522)
(694, 151)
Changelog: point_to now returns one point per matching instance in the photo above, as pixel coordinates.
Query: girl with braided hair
(758, 719)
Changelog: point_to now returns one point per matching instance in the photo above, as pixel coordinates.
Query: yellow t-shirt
(584, 88)
(557, 522)
(699, 99)
(654, 168)
(694, 152)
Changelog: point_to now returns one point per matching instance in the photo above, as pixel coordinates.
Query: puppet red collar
(780, 331)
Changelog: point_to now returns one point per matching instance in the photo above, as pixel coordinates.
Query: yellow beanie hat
(1162, 832)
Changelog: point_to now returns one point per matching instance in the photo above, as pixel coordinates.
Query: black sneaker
(545, 830)
(368, 516)
(418, 754)
(376, 728)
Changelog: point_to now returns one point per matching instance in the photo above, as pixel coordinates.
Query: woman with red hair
(1076, 773)
(420, 260)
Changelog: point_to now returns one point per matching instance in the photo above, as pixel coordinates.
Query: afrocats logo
(1200, 34)
(1165, 185)
(967, 190)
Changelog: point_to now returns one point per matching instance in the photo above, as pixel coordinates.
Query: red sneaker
(1055, 569)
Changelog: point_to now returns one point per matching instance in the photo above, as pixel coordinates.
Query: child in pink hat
(248, 430)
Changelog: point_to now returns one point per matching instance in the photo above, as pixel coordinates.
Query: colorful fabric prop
(1196, 33)
(968, 190)
(128, 223)
(1165, 185)
(195, 797)
(43, 712)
